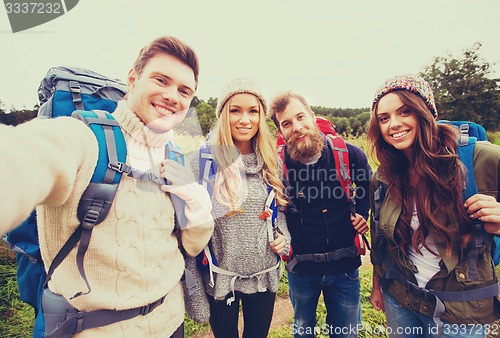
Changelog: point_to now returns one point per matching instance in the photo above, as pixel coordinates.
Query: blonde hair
(229, 181)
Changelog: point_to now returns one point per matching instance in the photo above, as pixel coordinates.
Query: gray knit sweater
(240, 243)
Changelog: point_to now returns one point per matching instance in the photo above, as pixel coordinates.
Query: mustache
(304, 132)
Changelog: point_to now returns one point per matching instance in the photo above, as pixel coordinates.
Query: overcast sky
(335, 53)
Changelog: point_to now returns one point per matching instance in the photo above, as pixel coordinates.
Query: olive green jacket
(454, 273)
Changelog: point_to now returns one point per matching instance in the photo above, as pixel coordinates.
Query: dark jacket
(454, 274)
(320, 221)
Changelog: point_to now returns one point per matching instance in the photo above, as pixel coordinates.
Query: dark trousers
(179, 333)
(257, 314)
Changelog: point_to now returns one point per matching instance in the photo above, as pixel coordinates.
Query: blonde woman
(247, 240)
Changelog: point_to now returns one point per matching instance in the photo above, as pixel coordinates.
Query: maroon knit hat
(412, 83)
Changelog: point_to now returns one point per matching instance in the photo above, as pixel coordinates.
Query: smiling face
(244, 118)
(296, 121)
(161, 95)
(398, 123)
(297, 124)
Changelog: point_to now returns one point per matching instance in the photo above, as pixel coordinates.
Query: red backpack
(342, 166)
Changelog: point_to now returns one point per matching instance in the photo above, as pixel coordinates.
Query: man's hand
(359, 224)
(278, 245)
(182, 178)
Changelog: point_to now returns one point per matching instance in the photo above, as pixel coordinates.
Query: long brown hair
(440, 178)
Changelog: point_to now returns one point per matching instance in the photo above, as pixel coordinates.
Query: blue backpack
(92, 98)
(470, 133)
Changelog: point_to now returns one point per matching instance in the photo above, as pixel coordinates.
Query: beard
(311, 146)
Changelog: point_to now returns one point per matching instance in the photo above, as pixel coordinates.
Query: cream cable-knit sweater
(133, 257)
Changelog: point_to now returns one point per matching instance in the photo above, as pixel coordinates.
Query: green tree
(212, 102)
(206, 116)
(341, 124)
(463, 88)
(356, 126)
(15, 116)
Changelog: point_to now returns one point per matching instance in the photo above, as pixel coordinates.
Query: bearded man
(320, 221)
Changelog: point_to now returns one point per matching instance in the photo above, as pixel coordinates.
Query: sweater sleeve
(361, 174)
(41, 160)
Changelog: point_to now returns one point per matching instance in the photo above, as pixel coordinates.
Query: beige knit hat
(239, 86)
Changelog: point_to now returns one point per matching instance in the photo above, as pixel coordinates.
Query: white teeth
(163, 111)
(400, 134)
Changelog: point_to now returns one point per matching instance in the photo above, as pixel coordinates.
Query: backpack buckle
(90, 219)
(151, 306)
(74, 86)
(424, 293)
(116, 166)
(265, 214)
(320, 257)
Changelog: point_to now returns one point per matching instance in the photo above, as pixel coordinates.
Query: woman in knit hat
(424, 239)
(247, 239)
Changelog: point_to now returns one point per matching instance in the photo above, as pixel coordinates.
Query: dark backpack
(92, 98)
(342, 166)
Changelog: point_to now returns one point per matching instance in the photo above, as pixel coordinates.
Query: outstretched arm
(40, 161)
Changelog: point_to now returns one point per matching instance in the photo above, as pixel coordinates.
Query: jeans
(406, 323)
(341, 297)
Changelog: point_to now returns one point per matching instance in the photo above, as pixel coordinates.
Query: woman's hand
(376, 297)
(279, 244)
(486, 209)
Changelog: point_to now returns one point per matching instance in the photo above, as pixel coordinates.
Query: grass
(16, 317)
(494, 137)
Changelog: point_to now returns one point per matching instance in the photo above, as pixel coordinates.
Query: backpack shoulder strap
(208, 168)
(173, 152)
(378, 199)
(97, 199)
(465, 152)
(342, 164)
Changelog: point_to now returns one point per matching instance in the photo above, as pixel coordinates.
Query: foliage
(463, 89)
(494, 137)
(16, 117)
(16, 317)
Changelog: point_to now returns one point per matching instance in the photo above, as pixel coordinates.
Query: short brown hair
(171, 46)
(279, 103)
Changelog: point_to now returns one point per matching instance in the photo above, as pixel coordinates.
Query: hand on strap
(359, 224)
(485, 209)
(183, 182)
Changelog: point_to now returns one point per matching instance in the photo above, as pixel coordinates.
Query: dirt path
(283, 311)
